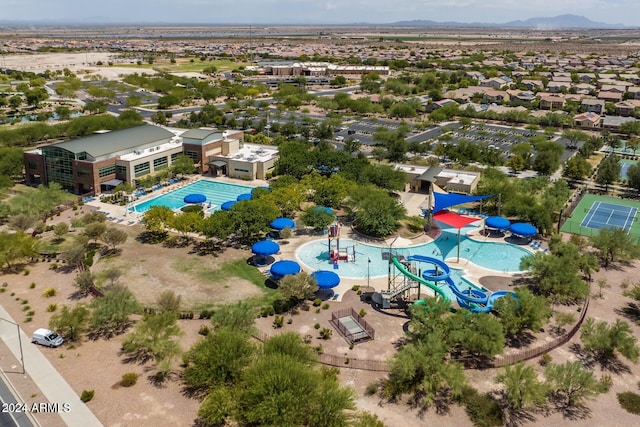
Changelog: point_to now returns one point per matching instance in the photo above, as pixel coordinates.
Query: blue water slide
(442, 273)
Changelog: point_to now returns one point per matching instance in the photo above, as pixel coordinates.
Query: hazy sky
(315, 11)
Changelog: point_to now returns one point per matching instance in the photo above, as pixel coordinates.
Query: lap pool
(216, 193)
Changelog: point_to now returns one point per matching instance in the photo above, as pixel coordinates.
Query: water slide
(418, 279)
(474, 300)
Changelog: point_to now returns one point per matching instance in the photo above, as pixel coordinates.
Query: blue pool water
(502, 257)
(216, 192)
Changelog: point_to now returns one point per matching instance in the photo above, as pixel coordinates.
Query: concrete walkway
(51, 383)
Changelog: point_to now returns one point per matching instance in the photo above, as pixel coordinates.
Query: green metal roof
(200, 133)
(102, 144)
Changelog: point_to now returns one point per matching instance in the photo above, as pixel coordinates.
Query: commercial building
(99, 162)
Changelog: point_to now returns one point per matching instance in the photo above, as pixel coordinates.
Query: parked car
(47, 338)
(340, 138)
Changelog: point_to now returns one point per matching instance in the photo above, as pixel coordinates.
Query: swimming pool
(501, 257)
(216, 192)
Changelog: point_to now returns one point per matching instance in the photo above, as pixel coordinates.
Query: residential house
(586, 77)
(432, 106)
(627, 108)
(495, 96)
(634, 92)
(610, 96)
(532, 85)
(613, 123)
(593, 105)
(588, 120)
(551, 102)
(557, 87)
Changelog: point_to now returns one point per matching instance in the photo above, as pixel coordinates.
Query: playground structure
(337, 254)
(475, 300)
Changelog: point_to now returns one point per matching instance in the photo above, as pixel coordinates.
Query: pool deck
(120, 214)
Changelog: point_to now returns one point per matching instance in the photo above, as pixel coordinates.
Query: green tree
(252, 218)
(608, 171)
(238, 317)
(633, 177)
(182, 165)
(157, 219)
(614, 244)
(526, 311)
(110, 313)
(279, 390)
(155, 337)
(60, 230)
(15, 247)
(570, 383)
(168, 301)
(114, 237)
(85, 281)
(69, 322)
(383, 176)
(577, 168)
(74, 250)
(604, 340)
(522, 387)
(574, 136)
(317, 217)
(94, 231)
(11, 161)
(376, 212)
(217, 360)
(298, 287)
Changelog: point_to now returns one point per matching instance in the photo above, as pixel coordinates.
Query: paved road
(48, 379)
(11, 412)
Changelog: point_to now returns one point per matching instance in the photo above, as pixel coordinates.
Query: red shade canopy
(454, 220)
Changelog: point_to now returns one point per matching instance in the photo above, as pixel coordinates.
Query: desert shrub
(278, 321)
(3, 290)
(32, 285)
(371, 389)
(606, 382)
(87, 395)
(28, 319)
(355, 288)
(26, 271)
(49, 292)
(24, 302)
(325, 306)
(482, 409)
(362, 312)
(317, 326)
(545, 359)
(26, 307)
(307, 339)
(317, 302)
(204, 330)
(129, 379)
(325, 333)
(51, 308)
(31, 313)
(630, 401)
(53, 266)
(289, 321)
(267, 311)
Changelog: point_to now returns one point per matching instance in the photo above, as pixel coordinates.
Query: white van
(47, 338)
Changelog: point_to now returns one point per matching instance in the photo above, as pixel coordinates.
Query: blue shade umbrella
(245, 196)
(497, 222)
(282, 223)
(226, 206)
(326, 279)
(265, 248)
(195, 198)
(282, 268)
(523, 229)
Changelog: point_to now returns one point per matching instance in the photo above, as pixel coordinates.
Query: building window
(160, 163)
(81, 156)
(121, 172)
(192, 155)
(241, 170)
(58, 164)
(84, 172)
(106, 171)
(174, 156)
(32, 164)
(141, 169)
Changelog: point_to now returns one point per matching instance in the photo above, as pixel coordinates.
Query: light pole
(368, 267)
(19, 342)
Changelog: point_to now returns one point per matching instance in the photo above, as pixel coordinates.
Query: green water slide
(420, 280)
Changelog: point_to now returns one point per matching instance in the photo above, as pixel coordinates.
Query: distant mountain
(548, 23)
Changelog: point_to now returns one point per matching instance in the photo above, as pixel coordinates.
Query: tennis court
(604, 215)
(594, 212)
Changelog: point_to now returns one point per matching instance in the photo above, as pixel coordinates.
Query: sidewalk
(51, 383)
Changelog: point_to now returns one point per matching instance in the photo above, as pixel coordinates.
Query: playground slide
(474, 300)
(420, 280)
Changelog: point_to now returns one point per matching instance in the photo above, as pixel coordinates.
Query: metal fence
(352, 337)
